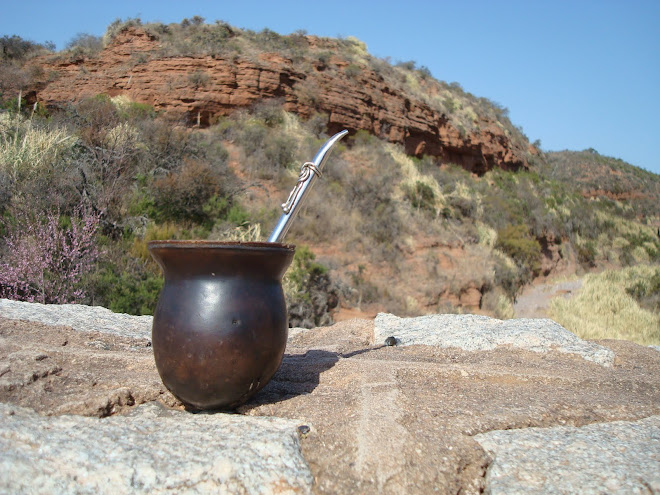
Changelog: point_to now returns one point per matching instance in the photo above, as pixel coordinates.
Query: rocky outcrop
(450, 410)
(150, 450)
(523, 464)
(201, 88)
(481, 333)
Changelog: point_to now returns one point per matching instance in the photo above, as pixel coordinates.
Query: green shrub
(132, 110)
(421, 196)
(516, 242)
(126, 292)
(364, 138)
(304, 270)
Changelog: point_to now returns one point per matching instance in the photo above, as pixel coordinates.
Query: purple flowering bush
(46, 262)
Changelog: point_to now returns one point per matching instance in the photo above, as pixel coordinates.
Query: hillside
(598, 176)
(436, 202)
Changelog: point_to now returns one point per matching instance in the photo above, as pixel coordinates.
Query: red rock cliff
(202, 87)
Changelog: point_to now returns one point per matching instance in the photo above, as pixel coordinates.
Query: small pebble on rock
(390, 341)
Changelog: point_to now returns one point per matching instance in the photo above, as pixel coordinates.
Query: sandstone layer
(369, 417)
(201, 88)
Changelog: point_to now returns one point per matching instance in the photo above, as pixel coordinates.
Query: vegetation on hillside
(146, 178)
(598, 175)
(108, 175)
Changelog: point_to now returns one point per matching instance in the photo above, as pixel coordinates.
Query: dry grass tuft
(604, 310)
(25, 149)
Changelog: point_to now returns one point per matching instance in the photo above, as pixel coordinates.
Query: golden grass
(602, 309)
(411, 176)
(244, 233)
(27, 150)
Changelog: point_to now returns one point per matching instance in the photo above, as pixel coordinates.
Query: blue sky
(575, 74)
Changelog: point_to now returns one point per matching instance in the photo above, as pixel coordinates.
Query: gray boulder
(151, 450)
(80, 317)
(617, 457)
(481, 333)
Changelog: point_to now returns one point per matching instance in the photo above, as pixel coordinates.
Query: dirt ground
(535, 299)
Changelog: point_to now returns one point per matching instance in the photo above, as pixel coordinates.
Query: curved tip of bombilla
(319, 158)
(338, 136)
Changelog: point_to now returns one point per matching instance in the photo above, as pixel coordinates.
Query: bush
(421, 196)
(303, 270)
(647, 292)
(183, 194)
(28, 149)
(644, 240)
(516, 242)
(268, 147)
(16, 48)
(352, 71)
(85, 44)
(310, 293)
(199, 79)
(46, 262)
(586, 253)
(498, 303)
(126, 292)
(507, 275)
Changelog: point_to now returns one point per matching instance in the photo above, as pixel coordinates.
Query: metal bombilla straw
(308, 174)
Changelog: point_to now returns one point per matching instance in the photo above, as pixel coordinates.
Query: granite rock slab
(482, 333)
(621, 457)
(80, 317)
(151, 450)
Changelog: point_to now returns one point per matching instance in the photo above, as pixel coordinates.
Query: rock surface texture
(150, 450)
(617, 457)
(367, 417)
(481, 333)
(132, 65)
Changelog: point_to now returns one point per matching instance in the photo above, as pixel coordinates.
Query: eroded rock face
(201, 88)
(371, 418)
(59, 370)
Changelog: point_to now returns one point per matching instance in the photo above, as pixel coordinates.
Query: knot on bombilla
(307, 169)
(308, 173)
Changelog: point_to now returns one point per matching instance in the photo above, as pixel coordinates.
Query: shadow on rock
(298, 375)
